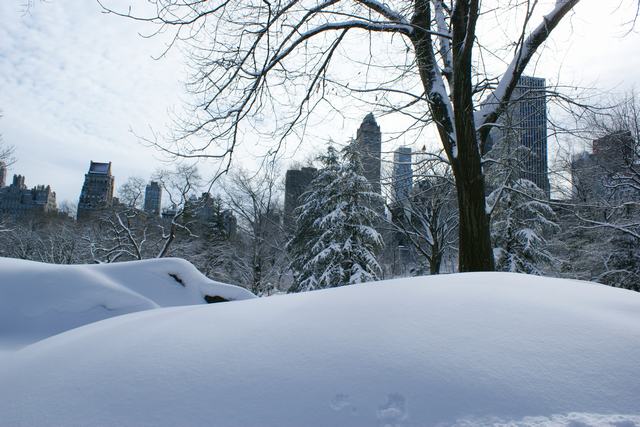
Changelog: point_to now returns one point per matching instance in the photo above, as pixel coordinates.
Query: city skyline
(88, 101)
(369, 138)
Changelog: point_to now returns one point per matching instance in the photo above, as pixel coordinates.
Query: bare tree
(607, 179)
(180, 185)
(606, 190)
(131, 193)
(126, 226)
(214, 244)
(254, 198)
(427, 220)
(6, 151)
(6, 158)
(256, 58)
(125, 232)
(116, 235)
(44, 239)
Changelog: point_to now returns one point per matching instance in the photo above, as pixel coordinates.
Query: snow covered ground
(39, 300)
(465, 350)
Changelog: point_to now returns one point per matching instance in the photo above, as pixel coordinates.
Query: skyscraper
(369, 141)
(3, 174)
(402, 179)
(296, 183)
(525, 124)
(607, 173)
(97, 190)
(153, 198)
(615, 151)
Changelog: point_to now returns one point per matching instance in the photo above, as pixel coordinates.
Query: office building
(97, 190)
(608, 172)
(296, 183)
(153, 198)
(3, 174)
(369, 142)
(402, 178)
(524, 126)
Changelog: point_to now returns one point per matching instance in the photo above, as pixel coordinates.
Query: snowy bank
(469, 349)
(39, 300)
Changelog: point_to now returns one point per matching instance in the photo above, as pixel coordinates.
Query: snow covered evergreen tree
(312, 208)
(521, 218)
(520, 215)
(518, 226)
(335, 241)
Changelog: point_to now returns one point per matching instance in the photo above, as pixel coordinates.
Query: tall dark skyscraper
(296, 183)
(97, 190)
(402, 179)
(369, 141)
(3, 174)
(153, 198)
(525, 121)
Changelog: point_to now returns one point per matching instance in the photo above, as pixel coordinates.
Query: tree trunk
(476, 253)
(456, 127)
(436, 256)
(434, 264)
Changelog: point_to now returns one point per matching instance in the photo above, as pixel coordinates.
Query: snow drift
(468, 350)
(39, 300)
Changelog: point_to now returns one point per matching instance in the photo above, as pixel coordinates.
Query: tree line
(344, 233)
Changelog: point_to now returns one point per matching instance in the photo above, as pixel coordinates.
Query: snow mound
(456, 350)
(39, 300)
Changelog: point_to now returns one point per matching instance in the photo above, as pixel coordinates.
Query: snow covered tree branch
(266, 67)
(497, 102)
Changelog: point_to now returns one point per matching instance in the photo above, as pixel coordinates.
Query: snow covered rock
(466, 350)
(39, 300)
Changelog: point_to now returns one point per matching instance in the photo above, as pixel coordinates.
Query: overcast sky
(74, 81)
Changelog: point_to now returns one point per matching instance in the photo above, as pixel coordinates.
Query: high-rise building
(296, 183)
(208, 212)
(3, 174)
(153, 198)
(16, 199)
(402, 179)
(369, 141)
(205, 208)
(525, 124)
(607, 172)
(584, 177)
(615, 151)
(97, 190)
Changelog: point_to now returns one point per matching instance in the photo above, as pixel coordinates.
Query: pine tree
(518, 226)
(520, 215)
(335, 241)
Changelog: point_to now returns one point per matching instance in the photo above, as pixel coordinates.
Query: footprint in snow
(394, 411)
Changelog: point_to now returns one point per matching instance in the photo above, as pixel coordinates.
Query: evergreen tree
(335, 241)
(520, 216)
(519, 223)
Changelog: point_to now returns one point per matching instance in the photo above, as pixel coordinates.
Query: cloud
(74, 82)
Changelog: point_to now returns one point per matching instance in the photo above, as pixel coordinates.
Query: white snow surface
(39, 300)
(464, 350)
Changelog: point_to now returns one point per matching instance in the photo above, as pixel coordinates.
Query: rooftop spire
(369, 118)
